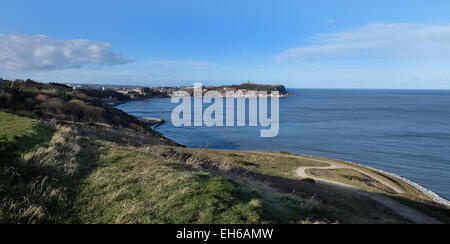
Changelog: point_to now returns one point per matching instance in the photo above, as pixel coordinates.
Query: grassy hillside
(70, 158)
(71, 178)
(62, 103)
(136, 187)
(19, 136)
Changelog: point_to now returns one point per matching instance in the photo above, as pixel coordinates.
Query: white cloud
(376, 41)
(40, 52)
(140, 72)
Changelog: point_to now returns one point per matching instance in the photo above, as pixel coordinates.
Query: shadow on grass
(16, 177)
(347, 206)
(87, 160)
(439, 213)
(304, 189)
(42, 188)
(11, 150)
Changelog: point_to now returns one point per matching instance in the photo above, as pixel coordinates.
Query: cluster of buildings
(227, 92)
(157, 92)
(136, 92)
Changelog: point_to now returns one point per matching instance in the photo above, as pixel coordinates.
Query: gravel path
(334, 165)
(402, 210)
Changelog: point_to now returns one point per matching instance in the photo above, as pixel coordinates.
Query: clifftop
(259, 87)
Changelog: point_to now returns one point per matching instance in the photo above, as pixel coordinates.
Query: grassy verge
(350, 177)
(133, 187)
(409, 190)
(136, 187)
(440, 213)
(280, 164)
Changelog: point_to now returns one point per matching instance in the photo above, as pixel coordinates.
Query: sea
(405, 132)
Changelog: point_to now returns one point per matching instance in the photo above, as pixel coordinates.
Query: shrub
(5, 97)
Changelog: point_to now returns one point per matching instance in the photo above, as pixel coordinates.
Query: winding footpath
(400, 209)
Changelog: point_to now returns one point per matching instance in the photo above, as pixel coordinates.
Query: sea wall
(432, 195)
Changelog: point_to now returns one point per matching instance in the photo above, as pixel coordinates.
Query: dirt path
(402, 210)
(334, 165)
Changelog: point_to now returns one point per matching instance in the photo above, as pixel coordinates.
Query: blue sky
(311, 44)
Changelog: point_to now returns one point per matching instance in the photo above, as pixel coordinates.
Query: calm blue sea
(406, 132)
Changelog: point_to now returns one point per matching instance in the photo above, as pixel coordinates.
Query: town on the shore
(115, 94)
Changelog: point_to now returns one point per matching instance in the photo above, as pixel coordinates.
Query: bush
(5, 97)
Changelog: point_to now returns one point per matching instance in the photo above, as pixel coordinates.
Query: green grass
(136, 187)
(65, 176)
(132, 187)
(75, 173)
(12, 126)
(22, 184)
(77, 179)
(410, 198)
(21, 134)
(411, 192)
(279, 172)
(280, 164)
(439, 213)
(350, 177)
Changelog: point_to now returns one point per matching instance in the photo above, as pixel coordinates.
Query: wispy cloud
(376, 41)
(39, 52)
(139, 72)
(178, 64)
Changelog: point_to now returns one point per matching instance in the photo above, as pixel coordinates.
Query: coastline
(436, 198)
(114, 103)
(152, 122)
(432, 195)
